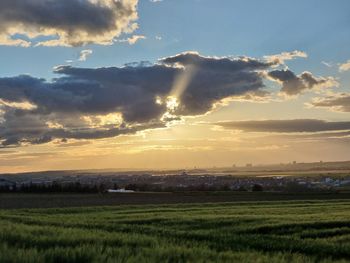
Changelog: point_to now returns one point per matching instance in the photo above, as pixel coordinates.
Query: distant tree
(225, 187)
(132, 187)
(295, 187)
(257, 188)
(242, 189)
(102, 188)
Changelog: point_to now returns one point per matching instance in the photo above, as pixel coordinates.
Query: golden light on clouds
(99, 121)
(25, 105)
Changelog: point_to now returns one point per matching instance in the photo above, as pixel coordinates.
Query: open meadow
(270, 231)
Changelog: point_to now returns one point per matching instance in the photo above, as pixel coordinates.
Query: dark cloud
(213, 63)
(132, 90)
(286, 126)
(87, 103)
(293, 84)
(23, 131)
(129, 90)
(215, 79)
(340, 102)
(21, 127)
(69, 22)
(90, 103)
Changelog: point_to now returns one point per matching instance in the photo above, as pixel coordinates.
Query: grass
(291, 231)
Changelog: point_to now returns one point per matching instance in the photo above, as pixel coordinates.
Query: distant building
(328, 180)
(120, 191)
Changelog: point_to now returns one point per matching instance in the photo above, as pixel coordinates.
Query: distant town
(293, 177)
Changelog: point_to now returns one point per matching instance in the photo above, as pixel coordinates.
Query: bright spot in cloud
(172, 103)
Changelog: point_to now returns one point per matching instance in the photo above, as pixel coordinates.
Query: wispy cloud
(327, 64)
(336, 102)
(281, 58)
(84, 54)
(286, 126)
(133, 39)
(345, 66)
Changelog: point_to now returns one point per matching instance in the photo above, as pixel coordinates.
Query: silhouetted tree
(257, 188)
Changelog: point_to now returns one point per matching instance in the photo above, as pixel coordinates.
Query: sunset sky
(160, 84)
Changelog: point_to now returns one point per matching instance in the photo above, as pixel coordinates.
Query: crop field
(271, 231)
(52, 200)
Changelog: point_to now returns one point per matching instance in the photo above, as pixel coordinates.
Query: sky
(172, 84)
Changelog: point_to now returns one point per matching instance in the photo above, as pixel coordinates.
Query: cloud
(327, 64)
(22, 128)
(286, 126)
(133, 39)
(215, 79)
(65, 22)
(258, 96)
(293, 84)
(94, 103)
(345, 66)
(279, 59)
(73, 144)
(339, 102)
(84, 54)
(88, 103)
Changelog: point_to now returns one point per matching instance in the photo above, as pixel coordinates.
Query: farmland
(56, 200)
(264, 231)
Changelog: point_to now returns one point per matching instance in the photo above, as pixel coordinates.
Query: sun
(172, 103)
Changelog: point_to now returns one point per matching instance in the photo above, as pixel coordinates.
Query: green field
(292, 231)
